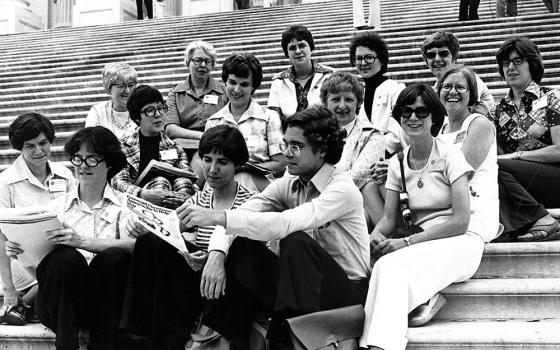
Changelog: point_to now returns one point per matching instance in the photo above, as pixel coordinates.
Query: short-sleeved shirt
(103, 114)
(430, 203)
(107, 219)
(204, 199)
(527, 128)
(260, 127)
(190, 110)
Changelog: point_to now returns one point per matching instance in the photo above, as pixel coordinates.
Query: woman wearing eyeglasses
(149, 142)
(409, 271)
(527, 122)
(298, 87)
(119, 79)
(82, 281)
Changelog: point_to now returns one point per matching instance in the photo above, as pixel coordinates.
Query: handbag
(330, 329)
(205, 338)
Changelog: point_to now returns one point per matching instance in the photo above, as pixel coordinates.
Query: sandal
(17, 315)
(542, 233)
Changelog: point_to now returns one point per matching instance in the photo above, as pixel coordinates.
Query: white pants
(402, 280)
(374, 14)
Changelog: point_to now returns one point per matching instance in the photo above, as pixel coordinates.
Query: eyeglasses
(293, 150)
(459, 88)
(151, 111)
(420, 112)
(367, 58)
(131, 85)
(517, 61)
(431, 54)
(198, 61)
(90, 161)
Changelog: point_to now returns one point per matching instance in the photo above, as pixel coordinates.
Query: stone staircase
(513, 302)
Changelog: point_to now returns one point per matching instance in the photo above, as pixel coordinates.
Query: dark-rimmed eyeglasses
(293, 150)
(420, 112)
(130, 85)
(91, 161)
(432, 54)
(151, 111)
(459, 88)
(366, 58)
(517, 61)
(198, 61)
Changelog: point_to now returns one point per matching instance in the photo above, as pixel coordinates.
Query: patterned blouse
(527, 128)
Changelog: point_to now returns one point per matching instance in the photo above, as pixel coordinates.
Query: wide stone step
(502, 299)
(485, 336)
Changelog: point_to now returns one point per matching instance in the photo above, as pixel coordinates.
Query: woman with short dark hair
(298, 87)
(527, 122)
(81, 282)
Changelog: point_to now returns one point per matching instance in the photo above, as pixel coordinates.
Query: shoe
(545, 232)
(425, 312)
(365, 28)
(17, 315)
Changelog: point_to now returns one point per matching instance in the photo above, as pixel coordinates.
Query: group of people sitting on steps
(373, 193)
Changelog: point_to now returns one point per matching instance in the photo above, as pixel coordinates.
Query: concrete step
(485, 336)
(502, 299)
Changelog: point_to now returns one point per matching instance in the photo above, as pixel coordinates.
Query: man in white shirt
(316, 211)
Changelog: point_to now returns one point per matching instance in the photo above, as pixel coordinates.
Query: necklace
(419, 183)
(124, 126)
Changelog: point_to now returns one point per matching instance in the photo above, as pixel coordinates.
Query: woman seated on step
(149, 142)
(446, 248)
(364, 145)
(32, 179)
(261, 127)
(119, 79)
(82, 281)
(298, 87)
(175, 287)
(527, 122)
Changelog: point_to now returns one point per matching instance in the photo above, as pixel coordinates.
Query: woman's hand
(376, 238)
(155, 196)
(134, 228)
(213, 281)
(11, 299)
(174, 199)
(66, 236)
(192, 215)
(388, 246)
(13, 249)
(195, 260)
(379, 171)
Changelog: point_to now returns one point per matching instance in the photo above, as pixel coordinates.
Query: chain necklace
(124, 126)
(419, 183)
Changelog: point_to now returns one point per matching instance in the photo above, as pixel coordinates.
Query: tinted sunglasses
(420, 112)
(431, 55)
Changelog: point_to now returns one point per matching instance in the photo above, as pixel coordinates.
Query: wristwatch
(519, 153)
(407, 241)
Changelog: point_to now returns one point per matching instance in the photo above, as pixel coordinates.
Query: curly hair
(139, 97)
(227, 140)
(102, 141)
(321, 129)
(117, 71)
(408, 97)
(204, 46)
(373, 42)
(528, 50)
(343, 81)
(28, 126)
(441, 39)
(242, 65)
(297, 32)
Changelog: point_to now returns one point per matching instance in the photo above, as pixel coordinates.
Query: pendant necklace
(419, 183)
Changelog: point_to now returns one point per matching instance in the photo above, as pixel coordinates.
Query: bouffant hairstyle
(204, 46)
(373, 42)
(226, 140)
(408, 97)
(117, 71)
(139, 97)
(297, 32)
(321, 129)
(343, 81)
(102, 141)
(242, 65)
(28, 126)
(469, 75)
(441, 39)
(526, 49)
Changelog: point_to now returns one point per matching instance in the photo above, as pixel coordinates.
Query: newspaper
(27, 227)
(162, 222)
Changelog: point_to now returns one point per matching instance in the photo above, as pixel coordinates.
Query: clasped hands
(381, 245)
(64, 236)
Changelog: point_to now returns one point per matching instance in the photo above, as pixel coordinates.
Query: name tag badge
(169, 154)
(57, 185)
(210, 99)
(437, 165)
(540, 103)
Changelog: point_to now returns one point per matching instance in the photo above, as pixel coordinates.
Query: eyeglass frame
(365, 59)
(432, 54)
(85, 160)
(293, 150)
(460, 89)
(207, 61)
(123, 87)
(415, 111)
(506, 62)
(161, 109)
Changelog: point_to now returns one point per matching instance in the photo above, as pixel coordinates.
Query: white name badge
(57, 185)
(210, 99)
(168, 154)
(540, 103)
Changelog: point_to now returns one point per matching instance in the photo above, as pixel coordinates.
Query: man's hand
(155, 196)
(376, 238)
(174, 199)
(67, 236)
(195, 260)
(213, 281)
(192, 215)
(388, 246)
(13, 249)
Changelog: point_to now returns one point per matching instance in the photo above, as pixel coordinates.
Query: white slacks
(402, 280)
(374, 14)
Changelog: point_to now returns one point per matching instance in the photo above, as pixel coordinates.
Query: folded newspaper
(162, 222)
(157, 168)
(27, 227)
